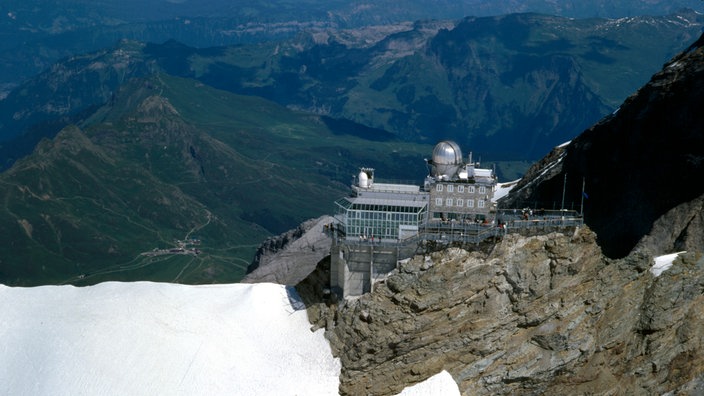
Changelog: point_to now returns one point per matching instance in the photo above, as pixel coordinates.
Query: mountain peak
(638, 163)
(155, 106)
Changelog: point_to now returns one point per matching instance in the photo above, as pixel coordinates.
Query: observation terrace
(522, 221)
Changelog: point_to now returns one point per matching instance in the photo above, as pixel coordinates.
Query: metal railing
(505, 221)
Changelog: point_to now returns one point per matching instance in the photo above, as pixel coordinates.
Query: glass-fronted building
(381, 211)
(366, 218)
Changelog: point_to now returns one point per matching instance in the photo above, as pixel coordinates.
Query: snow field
(150, 338)
(663, 263)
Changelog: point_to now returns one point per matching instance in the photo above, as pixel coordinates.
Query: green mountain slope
(171, 160)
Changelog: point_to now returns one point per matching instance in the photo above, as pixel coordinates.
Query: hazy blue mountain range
(510, 87)
(36, 33)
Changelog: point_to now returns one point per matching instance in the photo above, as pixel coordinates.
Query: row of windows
(385, 208)
(377, 227)
(388, 216)
(460, 188)
(460, 202)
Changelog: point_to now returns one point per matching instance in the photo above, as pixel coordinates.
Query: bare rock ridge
(288, 258)
(537, 315)
(637, 164)
(680, 229)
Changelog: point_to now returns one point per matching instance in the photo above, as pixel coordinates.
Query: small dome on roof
(363, 179)
(447, 160)
(447, 153)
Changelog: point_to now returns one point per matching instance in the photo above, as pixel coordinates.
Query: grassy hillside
(172, 159)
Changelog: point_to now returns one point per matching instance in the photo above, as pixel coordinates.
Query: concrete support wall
(354, 266)
(337, 266)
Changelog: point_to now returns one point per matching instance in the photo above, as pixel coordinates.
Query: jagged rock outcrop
(637, 164)
(538, 315)
(288, 258)
(680, 229)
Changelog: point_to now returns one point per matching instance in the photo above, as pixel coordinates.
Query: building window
(482, 190)
(470, 203)
(438, 187)
(460, 202)
(470, 189)
(449, 188)
(460, 189)
(448, 202)
(480, 203)
(438, 201)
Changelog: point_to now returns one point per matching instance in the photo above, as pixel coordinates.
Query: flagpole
(564, 183)
(581, 207)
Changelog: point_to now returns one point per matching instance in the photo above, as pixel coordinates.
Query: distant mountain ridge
(38, 33)
(523, 82)
(510, 86)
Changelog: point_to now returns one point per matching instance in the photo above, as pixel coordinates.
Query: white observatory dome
(447, 159)
(363, 179)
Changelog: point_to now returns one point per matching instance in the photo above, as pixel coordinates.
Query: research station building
(379, 224)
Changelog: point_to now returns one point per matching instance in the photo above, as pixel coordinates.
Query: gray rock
(680, 229)
(288, 258)
(537, 315)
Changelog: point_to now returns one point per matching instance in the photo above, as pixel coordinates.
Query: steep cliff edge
(680, 229)
(538, 315)
(637, 164)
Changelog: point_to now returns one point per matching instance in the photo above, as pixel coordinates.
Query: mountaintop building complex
(381, 223)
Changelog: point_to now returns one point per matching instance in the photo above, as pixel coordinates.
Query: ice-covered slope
(150, 338)
(154, 338)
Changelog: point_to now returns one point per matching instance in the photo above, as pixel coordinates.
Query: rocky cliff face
(638, 164)
(288, 258)
(537, 315)
(680, 229)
